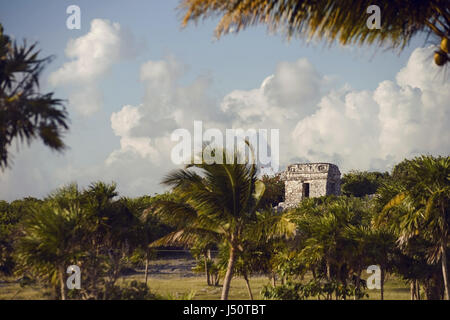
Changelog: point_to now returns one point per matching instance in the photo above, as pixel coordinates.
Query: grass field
(173, 278)
(394, 289)
(181, 286)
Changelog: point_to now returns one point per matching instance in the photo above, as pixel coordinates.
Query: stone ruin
(309, 180)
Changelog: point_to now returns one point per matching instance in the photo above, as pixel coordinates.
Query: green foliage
(133, 291)
(25, 113)
(313, 289)
(403, 229)
(7, 223)
(274, 193)
(91, 228)
(336, 240)
(416, 208)
(216, 202)
(359, 184)
(11, 215)
(341, 20)
(215, 271)
(289, 291)
(181, 296)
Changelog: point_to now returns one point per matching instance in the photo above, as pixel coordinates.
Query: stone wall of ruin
(323, 179)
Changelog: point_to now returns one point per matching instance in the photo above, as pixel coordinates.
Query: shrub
(133, 291)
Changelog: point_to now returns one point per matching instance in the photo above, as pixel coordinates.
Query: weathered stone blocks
(309, 180)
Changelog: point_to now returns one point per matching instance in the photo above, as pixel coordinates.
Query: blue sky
(227, 75)
(157, 24)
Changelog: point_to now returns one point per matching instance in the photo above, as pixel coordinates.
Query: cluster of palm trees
(417, 212)
(320, 249)
(219, 204)
(89, 228)
(336, 241)
(403, 229)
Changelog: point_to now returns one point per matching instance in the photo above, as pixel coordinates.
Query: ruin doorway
(306, 190)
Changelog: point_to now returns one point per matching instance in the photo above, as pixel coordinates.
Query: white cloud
(374, 130)
(122, 123)
(366, 130)
(318, 120)
(144, 130)
(92, 56)
(292, 92)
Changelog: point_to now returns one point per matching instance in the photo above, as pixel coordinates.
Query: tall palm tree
(342, 20)
(149, 227)
(271, 228)
(217, 200)
(111, 232)
(50, 242)
(25, 113)
(427, 196)
(412, 248)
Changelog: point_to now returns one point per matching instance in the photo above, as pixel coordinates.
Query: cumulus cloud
(122, 123)
(318, 119)
(374, 130)
(292, 92)
(366, 130)
(92, 56)
(145, 130)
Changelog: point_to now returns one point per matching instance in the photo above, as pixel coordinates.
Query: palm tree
(50, 242)
(426, 194)
(52, 235)
(271, 228)
(219, 201)
(329, 247)
(111, 233)
(410, 256)
(201, 251)
(372, 245)
(342, 20)
(25, 113)
(216, 201)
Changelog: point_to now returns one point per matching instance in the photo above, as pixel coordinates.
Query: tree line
(319, 249)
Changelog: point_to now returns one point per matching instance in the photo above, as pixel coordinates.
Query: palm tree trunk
(328, 271)
(61, 282)
(229, 274)
(209, 254)
(215, 279)
(413, 290)
(357, 283)
(382, 283)
(247, 283)
(208, 281)
(444, 269)
(95, 273)
(329, 295)
(417, 290)
(146, 268)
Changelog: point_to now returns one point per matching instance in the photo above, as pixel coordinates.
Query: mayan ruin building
(309, 180)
